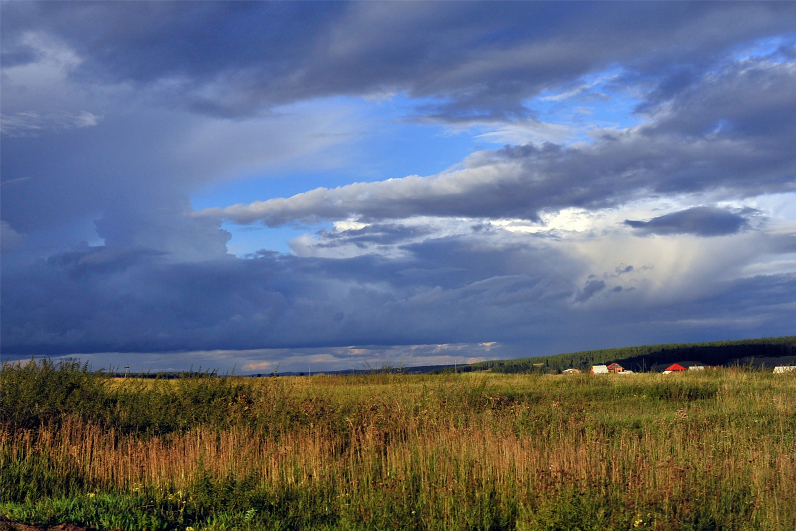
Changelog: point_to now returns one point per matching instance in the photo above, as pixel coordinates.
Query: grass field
(705, 450)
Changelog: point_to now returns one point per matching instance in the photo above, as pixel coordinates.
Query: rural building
(784, 368)
(683, 366)
(675, 367)
(599, 369)
(571, 371)
(615, 368)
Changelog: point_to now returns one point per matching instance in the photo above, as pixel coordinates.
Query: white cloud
(34, 123)
(525, 131)
(668, 156)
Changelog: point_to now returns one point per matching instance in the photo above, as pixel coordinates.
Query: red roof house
(615, 367)
(676, 367)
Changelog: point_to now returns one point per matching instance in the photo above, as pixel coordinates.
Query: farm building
(615, 368)
(675, 367)
(685, 366)
(599, 369)
(784, 368)
(571, 371)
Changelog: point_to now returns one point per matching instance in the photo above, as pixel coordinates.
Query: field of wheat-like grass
(704, 450)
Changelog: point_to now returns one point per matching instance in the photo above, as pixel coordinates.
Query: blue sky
(255, 185)
(381, 143)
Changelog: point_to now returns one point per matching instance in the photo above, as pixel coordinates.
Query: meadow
(711, 449)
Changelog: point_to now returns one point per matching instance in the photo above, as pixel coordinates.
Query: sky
(290, 186)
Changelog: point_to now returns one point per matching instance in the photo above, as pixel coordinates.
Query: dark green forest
(763, 352)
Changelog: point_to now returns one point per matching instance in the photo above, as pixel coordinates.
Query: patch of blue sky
(770, 48)
(248, 239)
(404, 143)
(392, 146)
(264, 186)
(597, 101)
(40, 244)
(395, 143)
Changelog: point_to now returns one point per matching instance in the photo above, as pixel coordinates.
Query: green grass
(707, 450)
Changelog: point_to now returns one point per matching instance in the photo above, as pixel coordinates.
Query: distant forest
(764, 352)
(756, 352)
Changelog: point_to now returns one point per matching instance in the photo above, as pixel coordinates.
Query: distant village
(674, 368)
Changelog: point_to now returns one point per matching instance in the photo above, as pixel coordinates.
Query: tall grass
(713, 450)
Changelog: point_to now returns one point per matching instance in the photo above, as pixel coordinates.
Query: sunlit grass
(708, 450)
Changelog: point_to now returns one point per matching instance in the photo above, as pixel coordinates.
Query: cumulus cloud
(271, 301)
(454, 290)
(163, 224)
(115, 114)
(684, 147)
(99, 259)
(478, 62)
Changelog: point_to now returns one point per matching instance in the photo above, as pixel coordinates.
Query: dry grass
(704, 451)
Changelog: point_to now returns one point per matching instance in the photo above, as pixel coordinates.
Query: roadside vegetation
(712, 449)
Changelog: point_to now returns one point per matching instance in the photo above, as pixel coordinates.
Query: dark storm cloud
(590, 289)
(453, 288)
(727, 133)
(180, 84)
(478, 61)
(465, 61)
(375, 234)
(700, 221)
(133, 304)
(99, 259)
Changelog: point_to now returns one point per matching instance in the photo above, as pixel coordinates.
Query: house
(615, 368)
(571, 371)
(670, 367)
(599, 369)
(675, 367)
(784, 368)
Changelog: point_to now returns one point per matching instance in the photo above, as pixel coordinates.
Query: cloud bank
(686, 147)
(619, 122)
